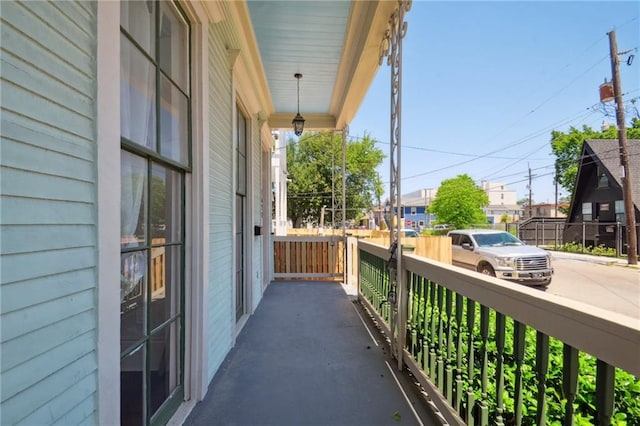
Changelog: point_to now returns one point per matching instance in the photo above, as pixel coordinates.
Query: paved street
(594, 282)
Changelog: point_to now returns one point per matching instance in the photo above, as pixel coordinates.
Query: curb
(601, 260)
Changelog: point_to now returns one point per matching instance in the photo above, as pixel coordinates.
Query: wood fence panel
(434, 247)
(308, 258)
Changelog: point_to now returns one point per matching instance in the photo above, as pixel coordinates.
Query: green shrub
(600, 250)
(627, 386)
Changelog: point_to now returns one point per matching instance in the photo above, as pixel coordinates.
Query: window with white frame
(619, 206)
(587, 212)
(155, 158)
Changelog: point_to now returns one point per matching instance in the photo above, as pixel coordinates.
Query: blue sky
(485, 83)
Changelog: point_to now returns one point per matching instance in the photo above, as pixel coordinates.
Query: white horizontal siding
(32, 238)
(22, 156)
(41, 395)
(28, 266)
(48, 212)
(82, 414)
(42, 340)
(19, 210)
(14, 381)
(221, 321)
(19, 128)
(57, 408)
(32, 184)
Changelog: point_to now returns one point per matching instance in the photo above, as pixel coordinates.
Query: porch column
(391, 48)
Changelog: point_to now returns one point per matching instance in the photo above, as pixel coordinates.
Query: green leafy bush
(600, 250)
(627, 386)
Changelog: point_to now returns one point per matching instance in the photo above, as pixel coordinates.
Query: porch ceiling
(333, 44)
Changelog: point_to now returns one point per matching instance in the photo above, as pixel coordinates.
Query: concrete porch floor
(306, 358)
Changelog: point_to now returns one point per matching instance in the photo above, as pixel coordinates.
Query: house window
(620, 211)
(603, 180)
(155, 159)
(414, 211)
(242, 135)
(587, 212)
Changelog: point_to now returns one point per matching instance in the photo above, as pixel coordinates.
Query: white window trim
(266, 216)
(248, 214)
(197, 217)
(108, 177)
(197, 251)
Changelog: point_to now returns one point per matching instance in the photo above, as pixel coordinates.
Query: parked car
(441, 227)
(411, 233)
(500, 254)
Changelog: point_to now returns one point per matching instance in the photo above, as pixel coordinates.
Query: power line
(508, 146)
(580, 115)
(420, 148)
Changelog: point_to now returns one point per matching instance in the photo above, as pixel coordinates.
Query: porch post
(391, 48)
(345, 134)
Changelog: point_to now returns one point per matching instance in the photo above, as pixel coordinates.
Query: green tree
(315, 162)
(459, 202)
(567, 148)
(524, 201)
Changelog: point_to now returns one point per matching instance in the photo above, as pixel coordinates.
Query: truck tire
(486, 269)
(544, 283)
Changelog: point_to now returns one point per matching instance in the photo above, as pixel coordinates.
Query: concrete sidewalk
(306, 358)
(601, 260)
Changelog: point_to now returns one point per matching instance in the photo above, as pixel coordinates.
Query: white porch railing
(486, 350)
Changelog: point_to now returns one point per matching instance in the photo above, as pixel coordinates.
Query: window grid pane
(137, 96)
(138, 20)
(174, 36)
(174, 117)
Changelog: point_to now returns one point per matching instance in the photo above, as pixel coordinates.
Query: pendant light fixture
(298, 121)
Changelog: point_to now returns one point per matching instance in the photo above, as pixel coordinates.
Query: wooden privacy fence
(431, 246)
(158, 269)
(308, 258)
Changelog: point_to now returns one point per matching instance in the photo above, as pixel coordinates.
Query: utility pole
(629, 210)
(555, 179)
(530, 193)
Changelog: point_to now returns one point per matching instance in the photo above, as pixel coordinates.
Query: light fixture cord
(298, 78)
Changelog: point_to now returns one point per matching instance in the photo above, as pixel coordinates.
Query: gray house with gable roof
(597, 200)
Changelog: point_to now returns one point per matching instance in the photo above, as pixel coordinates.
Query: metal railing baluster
(570, 369)
(422, 323)
(448, 378)
(471, 400)
(459, 353)
(425, 327)
(500, 338)
(519, 331)
(542, 366)
(605, 391)
(433, 340)
(414, 314)
(484, 354)
(440, 344)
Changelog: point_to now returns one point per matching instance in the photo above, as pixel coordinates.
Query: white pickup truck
(500, 254)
